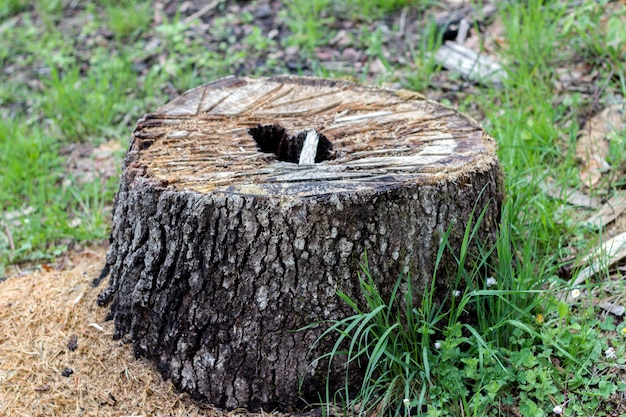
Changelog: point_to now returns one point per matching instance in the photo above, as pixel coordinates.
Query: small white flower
(456, 293)
(491, 281)
(557, 409)
(407, 402)
(575, 293)
(610, 353)
(437, 345)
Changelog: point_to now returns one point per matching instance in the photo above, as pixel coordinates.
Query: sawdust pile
(58, 358)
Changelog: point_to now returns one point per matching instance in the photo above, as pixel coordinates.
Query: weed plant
(496, 342)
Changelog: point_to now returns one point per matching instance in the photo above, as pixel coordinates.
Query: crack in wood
(274, 139)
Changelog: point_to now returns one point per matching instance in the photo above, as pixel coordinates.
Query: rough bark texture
(219, 251)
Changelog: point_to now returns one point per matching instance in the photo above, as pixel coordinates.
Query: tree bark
(224, 242)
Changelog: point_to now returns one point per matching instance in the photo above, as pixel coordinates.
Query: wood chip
(464, 28)
(96, 326)
(107, 399)
(469, 64)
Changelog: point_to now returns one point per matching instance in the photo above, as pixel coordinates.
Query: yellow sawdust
(39, 314)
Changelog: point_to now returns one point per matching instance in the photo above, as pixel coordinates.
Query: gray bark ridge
(213, 287)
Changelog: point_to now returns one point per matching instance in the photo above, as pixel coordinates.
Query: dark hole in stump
(274, 139)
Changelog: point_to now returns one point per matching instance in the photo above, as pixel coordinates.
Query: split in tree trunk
(245, 204)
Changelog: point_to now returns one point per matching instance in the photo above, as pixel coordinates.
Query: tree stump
(245, 204)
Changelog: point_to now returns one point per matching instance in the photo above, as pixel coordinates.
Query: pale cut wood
(458, 58)
(225, 240)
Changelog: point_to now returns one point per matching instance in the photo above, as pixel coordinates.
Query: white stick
(309, 148)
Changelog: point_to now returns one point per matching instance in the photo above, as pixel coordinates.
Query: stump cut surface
(201, 141)
(245, 204)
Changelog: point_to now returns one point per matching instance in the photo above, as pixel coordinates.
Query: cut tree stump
(245, 204)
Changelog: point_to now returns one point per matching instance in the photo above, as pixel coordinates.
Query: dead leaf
(592, 147)
(571, 196)
(87, 163)
(612, 308)
(609, 211)
(579, 77)
(610, 252)
(409, 95)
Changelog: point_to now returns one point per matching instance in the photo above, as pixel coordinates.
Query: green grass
(83, 72)
(92, 105)
(309, 21)
(71, 84)
(491, 343)
(128, 20)
(38, 201)
(10, 7)
(524, 346)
